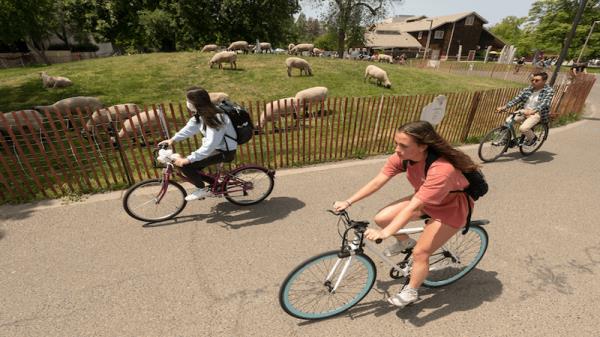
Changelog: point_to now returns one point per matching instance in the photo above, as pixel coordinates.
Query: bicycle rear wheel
(494, 144)
(248, 186)
(457, 257)
(541, 132)
(307, 291)
(141, 201)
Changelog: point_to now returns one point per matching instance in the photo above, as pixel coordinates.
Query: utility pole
(569, 38)
(586, 40)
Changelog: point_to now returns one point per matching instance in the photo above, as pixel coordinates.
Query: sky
(492, 11)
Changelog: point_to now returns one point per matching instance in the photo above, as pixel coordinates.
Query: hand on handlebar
(500, 109)
(339, 206)
(167, 142)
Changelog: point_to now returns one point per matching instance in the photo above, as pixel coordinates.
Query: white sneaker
(399, 246)
(200, 193)
(405, 297)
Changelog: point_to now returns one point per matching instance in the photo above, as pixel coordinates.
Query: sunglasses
(535, 80)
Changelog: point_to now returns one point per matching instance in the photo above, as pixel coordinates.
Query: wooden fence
(53, 155)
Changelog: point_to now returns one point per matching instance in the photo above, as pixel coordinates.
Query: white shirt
(532, 102)
(213, 140)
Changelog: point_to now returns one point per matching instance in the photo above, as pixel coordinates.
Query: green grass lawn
(163, 78)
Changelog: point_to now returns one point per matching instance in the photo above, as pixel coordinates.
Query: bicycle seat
(481, 222)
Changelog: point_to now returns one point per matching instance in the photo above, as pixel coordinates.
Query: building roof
(423, 23)
(384, 41)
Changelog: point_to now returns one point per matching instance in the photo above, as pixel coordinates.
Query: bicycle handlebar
(359, 226)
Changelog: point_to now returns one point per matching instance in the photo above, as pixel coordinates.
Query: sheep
(72, 104)
(379, 74)
(224, 56)
(239, 45)
(107, 115)
(54, 81)
(133, 125)
(218, 97)
(209, 48)
(316, 52)
(296, 62)
(302, 48)
(266, 46)
(314, 94)
(385, 58)
(281, 107)
(22, 117)
(290, 47)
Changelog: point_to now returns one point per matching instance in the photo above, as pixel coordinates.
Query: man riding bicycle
(534, 106)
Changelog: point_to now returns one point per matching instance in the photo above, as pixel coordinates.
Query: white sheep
(239, 45)
(22, 117)
(54, 81)
(317, 52)
(139, 124)
(302, 48)
(209, 48)
(224, 57)
(85, 104)
(296, 62)
(386, 58)
(290, 47)
(266, 46)
(110, 114)
(311, 95)
(218, 97)
(279, 108)
(379, 74)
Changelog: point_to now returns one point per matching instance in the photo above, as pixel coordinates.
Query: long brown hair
(204, 107)
(424, 133)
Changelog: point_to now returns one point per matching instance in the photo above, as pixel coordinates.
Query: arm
(518, 99)
(210, 142)
(370, 188)
(543, 107)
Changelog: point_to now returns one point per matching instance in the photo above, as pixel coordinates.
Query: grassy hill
(163, 77)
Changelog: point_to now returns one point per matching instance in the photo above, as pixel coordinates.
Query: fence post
(471, 117)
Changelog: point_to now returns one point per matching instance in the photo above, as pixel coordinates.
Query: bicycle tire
(295, 301)
(540, 131)
(498, 139)
(248, 185)
(469, 248)
(145, 192)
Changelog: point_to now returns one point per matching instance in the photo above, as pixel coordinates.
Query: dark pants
(192, 170)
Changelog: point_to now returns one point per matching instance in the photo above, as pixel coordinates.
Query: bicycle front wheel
(457, 257)
(308, 291)
(494, 144)
(248, 186)
(143, 200)
(541, 132)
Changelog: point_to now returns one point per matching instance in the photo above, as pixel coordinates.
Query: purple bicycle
(161, 199)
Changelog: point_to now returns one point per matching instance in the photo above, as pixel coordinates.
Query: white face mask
(190, 106)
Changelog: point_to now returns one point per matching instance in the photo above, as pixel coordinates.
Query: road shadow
(478, 287)
(22, 211)
(234, 217)
(539, 157)
(591, 118)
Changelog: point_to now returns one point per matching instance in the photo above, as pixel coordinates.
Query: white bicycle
(333, 282)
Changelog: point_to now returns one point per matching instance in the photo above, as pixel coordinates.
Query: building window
(439, 34)
(469, 21)
(420, 35)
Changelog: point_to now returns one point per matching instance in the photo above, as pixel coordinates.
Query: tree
(29, 21)
(348, 16)
(509, 29)
(74, 18)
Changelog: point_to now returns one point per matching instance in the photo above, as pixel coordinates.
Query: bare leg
(433, 237)
(385, 216)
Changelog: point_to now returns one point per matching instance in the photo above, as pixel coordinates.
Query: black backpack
(240, 118)
(477, 188)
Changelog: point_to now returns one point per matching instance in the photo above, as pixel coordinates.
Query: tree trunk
(39, 52)
(341, 43)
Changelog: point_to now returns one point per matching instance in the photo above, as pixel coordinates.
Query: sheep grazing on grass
(302, 48)
(296, 62)
(379, 74)
(239, 45)
(290, 47)
(224, 57)
(16, 118)
(218, 97)
(85, 104)
(54, 81)
(385, 58)
(209, 48)
(311, 96)
(140, 124)
(279, 108)
(113, 113)
(316, 52)
(266, 47)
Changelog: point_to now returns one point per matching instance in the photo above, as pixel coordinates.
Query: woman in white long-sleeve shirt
(218, 143)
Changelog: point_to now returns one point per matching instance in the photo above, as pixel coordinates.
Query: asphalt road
(87, 269)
